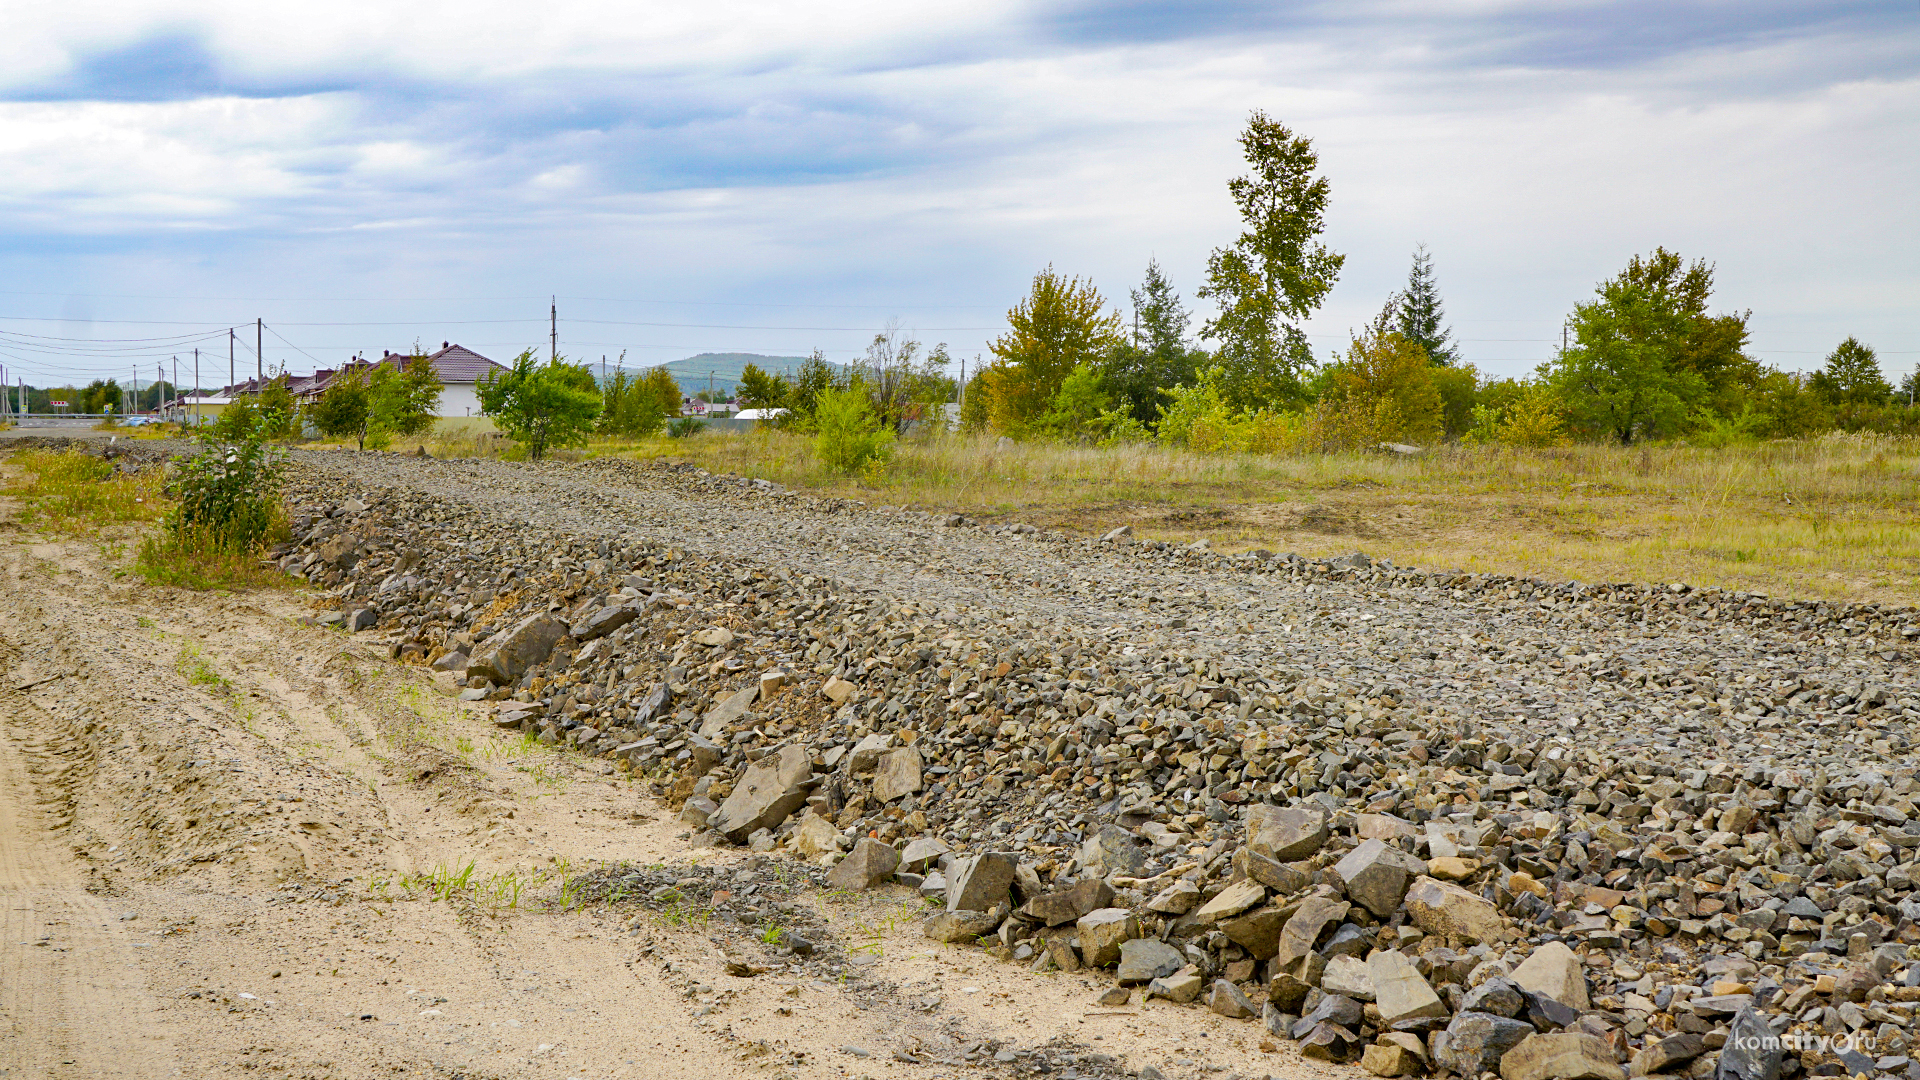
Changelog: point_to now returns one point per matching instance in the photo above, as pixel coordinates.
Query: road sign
(58, 404)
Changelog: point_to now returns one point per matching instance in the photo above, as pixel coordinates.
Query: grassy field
(1832, 517)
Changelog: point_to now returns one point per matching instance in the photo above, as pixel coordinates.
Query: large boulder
(1562, 1055)
(1664, 1055)
(1285, 833)
(897, 774)
(508, 654)
(1439, 908)
(1555, 971)
(869, 863)
(1377, 874)
(980, 882)
(773, 788)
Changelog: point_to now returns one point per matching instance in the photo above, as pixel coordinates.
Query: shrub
(228, 510)
(849, 436)
(685, 427)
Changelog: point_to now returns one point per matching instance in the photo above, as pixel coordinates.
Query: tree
(1852, 376)
(851, 436)
(901, 385)
(279, 413)
(635, 406)
(341, 409)
(1624, 374)
(814, 378)
(99, 396)
(1059, 326)
(541, 406)
(762, 389)
(1419, 313)
(1157, 356)
(1712, 346)
(1276, 273)
(1385, 385)
(403, 398)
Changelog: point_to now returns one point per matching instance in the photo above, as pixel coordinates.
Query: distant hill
(722, 370)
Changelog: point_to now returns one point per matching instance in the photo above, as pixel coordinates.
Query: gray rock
(1555, 971)
(1474, 1042)
(1399, 991)
(1285, 833)
(455, 661)
(1440, 908)
(1257, 931)
(1752, 1051)
(729, 710)
(1146, 959)
(362, 619)
(1103, 933)
(866, 753)
(1068, 904)
(1347, 977)
(1562, 1055)
(1283, 878)
(507, 655)
(773, 788)
(1232, 900)
(1330, 1042)
(1113, 850)
(869, 863)
(1497, 996)
(1331, 1009)
(1303, 930)
(1178, 988)
(1176, 899)
(603, 622)
(954, 927)
(1377, 875)
(980, 882)
(1227, 1000)
(897, 774)
(922, 852)
(1662, 1056)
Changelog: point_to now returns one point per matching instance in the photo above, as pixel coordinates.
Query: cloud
(924, 157)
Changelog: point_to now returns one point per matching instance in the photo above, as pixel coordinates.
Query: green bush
(685, 427)
(850, 438)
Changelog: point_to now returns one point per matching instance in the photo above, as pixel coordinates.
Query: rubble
(1619, 823)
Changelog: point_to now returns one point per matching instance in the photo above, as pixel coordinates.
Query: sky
(780, 177)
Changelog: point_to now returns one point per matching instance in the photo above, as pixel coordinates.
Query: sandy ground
(218, 827)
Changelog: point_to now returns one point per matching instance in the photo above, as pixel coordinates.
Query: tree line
(1645, 357)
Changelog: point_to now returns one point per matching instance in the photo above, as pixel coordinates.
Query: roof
(454, 363)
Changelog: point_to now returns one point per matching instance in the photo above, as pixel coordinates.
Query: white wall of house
(458, 400)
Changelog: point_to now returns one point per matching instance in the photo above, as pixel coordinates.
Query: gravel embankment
(1430, 820)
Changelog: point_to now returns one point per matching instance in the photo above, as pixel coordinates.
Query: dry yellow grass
(1832, 517)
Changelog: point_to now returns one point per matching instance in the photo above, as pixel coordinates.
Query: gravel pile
(1430, 821)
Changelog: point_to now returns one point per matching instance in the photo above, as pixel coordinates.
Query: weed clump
(76, 493)
(228, 511)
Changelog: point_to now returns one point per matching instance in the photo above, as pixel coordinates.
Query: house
(460, 370)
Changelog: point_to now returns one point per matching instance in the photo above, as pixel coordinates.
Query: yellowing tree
(1059, 326)
(1384, 390)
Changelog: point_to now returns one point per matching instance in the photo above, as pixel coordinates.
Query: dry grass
(75, 494)
(1832, 517)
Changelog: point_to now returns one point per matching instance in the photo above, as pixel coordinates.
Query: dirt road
(220, 836)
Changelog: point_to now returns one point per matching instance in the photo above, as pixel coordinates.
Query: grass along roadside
(1837, 516)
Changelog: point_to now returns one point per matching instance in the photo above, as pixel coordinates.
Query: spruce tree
(1421, 314)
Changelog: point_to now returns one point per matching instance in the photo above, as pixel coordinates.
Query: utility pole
(553, 347)
(176, 380)
(230, 368)
(196, 386)
(259, 354)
